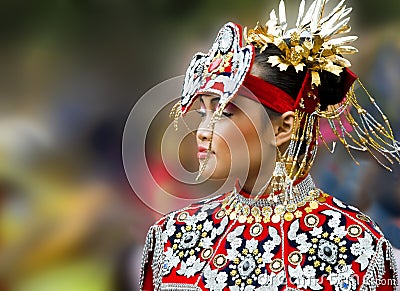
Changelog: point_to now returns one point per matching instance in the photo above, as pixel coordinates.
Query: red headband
(279, 101)
(268, 94)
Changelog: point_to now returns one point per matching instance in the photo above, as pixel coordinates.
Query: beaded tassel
(299, 156)
(175, 113)
(367, 134)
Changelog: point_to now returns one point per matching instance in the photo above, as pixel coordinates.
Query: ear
(283, 128)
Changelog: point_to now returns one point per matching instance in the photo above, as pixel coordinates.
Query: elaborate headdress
(314, 45)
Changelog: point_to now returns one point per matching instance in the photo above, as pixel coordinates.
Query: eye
(201, 112)
(227, 114)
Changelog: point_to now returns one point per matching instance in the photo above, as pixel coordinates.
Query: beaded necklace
(251, 210)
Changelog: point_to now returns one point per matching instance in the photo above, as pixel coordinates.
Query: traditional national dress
(299, 238)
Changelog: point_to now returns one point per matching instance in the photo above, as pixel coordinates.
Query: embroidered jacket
(235, 243)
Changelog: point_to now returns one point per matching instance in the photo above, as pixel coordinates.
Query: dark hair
(331, 90)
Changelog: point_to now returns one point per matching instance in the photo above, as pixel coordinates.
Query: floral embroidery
(364, 250)
(327, 246)
(304, 278)
(271, 282)
(215, 281)
(343, 278)
(300, 239)
(195, 234)
(249, 258)
(190, 267)
(327, 250)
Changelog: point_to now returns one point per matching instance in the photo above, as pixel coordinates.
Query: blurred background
(70, 73)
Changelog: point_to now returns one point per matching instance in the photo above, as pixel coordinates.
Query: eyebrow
(213, 100)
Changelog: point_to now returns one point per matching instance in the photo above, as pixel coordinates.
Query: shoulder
(340, 243)
(201, 209)
(158, 234)
(357, 221)
(366, 251)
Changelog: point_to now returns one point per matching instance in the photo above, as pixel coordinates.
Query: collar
(301, 187)
(243, 209)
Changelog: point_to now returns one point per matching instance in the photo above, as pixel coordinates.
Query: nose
(204, 132)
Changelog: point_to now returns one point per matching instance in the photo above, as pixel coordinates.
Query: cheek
(257, 152)
(227, 145)
(219, 165)
(229, 140)
(254, 147)
(251, 136)
(220, 146)
(239, 140)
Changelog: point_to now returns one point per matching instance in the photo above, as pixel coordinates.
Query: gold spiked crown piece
(316, 43)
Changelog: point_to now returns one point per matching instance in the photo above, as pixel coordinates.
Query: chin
(214, 173)
(218, 176)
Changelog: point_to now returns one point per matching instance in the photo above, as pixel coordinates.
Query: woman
(275, 230)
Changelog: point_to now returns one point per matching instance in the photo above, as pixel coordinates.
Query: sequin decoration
(276, 265)
(295, 257)
(220, 260)
(327, 251)
(311, 220)
(256, 229)
(354, 230)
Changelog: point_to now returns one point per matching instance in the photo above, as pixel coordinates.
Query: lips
(203, 152)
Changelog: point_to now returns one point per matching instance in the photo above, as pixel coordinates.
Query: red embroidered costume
(322, 244)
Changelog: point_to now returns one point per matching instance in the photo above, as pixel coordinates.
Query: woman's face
(242, 142)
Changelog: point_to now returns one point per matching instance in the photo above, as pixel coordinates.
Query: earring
(279, 178)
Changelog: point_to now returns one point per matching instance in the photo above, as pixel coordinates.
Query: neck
(255, 184)
(254, 189)
(301, 188)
